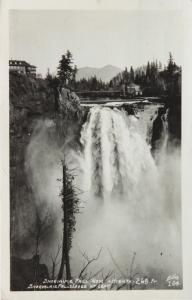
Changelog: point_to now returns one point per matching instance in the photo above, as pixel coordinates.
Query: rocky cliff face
(172, 111)
(29, 99)
(32, 100)
(23, 273)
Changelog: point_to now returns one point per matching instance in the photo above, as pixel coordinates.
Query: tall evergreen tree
(65, 68)
(171, 64)
(125, 76)
(132, 75)
(148, 70)
(70, 208)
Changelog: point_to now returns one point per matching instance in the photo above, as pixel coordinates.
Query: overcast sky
(95, 38)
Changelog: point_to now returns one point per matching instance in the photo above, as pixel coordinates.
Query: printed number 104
(173, 283)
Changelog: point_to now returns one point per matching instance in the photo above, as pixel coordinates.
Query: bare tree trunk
(65, 248)
(36, 256)
(53, 271)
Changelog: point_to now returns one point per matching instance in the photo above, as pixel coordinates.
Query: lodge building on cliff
(22, 67)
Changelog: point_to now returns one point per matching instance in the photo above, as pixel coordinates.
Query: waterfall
(116, 150)
(131, 203)
(165, 133)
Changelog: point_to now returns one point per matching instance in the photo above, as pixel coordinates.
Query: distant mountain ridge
(105, 73)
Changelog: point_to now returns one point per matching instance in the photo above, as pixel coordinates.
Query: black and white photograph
(95, 139)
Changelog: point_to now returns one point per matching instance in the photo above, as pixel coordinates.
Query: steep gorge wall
(173, 110)
(31, 100)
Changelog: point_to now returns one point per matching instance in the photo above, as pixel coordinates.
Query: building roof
(20, 63)
(133, 85)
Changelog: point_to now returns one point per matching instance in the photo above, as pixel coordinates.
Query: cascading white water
(116, 150)
(128, 202)
(164, 119)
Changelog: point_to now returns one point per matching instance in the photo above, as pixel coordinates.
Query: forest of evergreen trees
(153, 78)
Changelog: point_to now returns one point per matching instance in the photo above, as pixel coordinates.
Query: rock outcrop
(27, 271)
(32, 100)
(173, 110)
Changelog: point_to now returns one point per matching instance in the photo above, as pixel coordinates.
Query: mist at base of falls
(131, 198)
